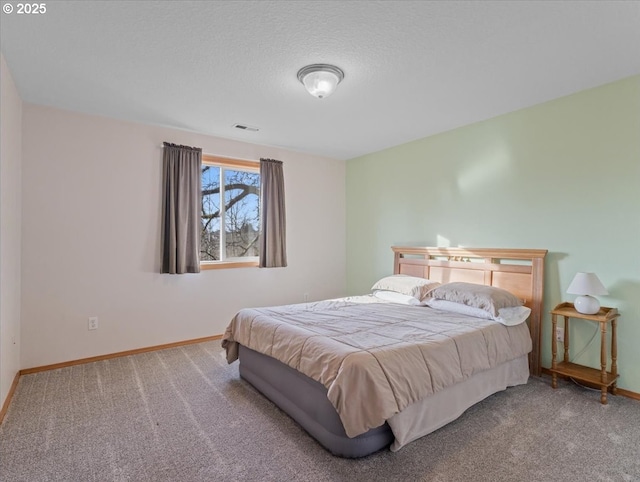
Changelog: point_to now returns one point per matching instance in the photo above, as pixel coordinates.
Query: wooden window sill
(228, 264)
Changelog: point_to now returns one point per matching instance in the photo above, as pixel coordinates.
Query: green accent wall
(562, 176)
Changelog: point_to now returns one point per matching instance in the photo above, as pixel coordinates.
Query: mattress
(305, 400)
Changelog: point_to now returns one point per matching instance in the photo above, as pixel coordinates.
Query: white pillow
(407, 285)
(507, 316)
(395, 297)
(460, 308)
(513, 315)
(488, 298)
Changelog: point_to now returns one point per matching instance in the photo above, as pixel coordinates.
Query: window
(230, 229)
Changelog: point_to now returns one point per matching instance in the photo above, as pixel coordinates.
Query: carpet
(183, 414)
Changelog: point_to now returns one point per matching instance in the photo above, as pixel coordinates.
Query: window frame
(245, 165)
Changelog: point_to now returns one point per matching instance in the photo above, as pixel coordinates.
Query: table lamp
(586, 285)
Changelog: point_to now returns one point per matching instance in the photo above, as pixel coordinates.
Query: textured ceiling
(412, 69)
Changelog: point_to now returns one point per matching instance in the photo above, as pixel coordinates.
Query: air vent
(246, 127)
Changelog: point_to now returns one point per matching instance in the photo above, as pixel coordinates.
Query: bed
(360, 374)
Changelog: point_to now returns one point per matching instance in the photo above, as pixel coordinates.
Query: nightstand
(602, 377)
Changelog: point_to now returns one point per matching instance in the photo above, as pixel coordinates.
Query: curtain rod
(171, 144)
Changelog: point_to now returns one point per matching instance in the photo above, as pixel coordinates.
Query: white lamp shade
(586, 285)
(320, 80)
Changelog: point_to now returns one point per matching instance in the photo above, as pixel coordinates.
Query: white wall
(10, 219)
(91, 228)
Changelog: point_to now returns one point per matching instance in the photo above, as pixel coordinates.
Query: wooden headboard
(520, 271)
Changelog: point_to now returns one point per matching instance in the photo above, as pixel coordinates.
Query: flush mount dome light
(320, 80)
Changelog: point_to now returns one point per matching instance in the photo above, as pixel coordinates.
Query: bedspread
(375, 358)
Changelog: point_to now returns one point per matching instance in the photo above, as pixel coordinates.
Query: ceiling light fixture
(320, 80)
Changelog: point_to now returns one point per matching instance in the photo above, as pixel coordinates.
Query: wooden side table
(602, 377)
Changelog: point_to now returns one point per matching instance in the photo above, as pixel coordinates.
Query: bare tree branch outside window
(239, 217)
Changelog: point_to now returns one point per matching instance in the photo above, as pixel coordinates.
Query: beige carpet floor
(183, 414)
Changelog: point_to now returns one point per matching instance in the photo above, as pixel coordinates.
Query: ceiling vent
(246, 127)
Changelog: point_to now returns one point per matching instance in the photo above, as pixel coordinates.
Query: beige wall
(10, 219)
(91, 224)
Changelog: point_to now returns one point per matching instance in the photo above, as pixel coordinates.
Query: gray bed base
(305, 400)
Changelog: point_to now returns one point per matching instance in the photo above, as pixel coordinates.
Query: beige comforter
(375, 358)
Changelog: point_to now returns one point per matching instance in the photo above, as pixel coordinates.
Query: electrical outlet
(559, 334)
(306, 297)
(93, 323)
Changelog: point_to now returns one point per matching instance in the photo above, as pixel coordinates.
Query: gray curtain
(181, 209)
(273, 240)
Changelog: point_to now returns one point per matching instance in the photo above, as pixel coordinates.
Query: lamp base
(587, 305)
